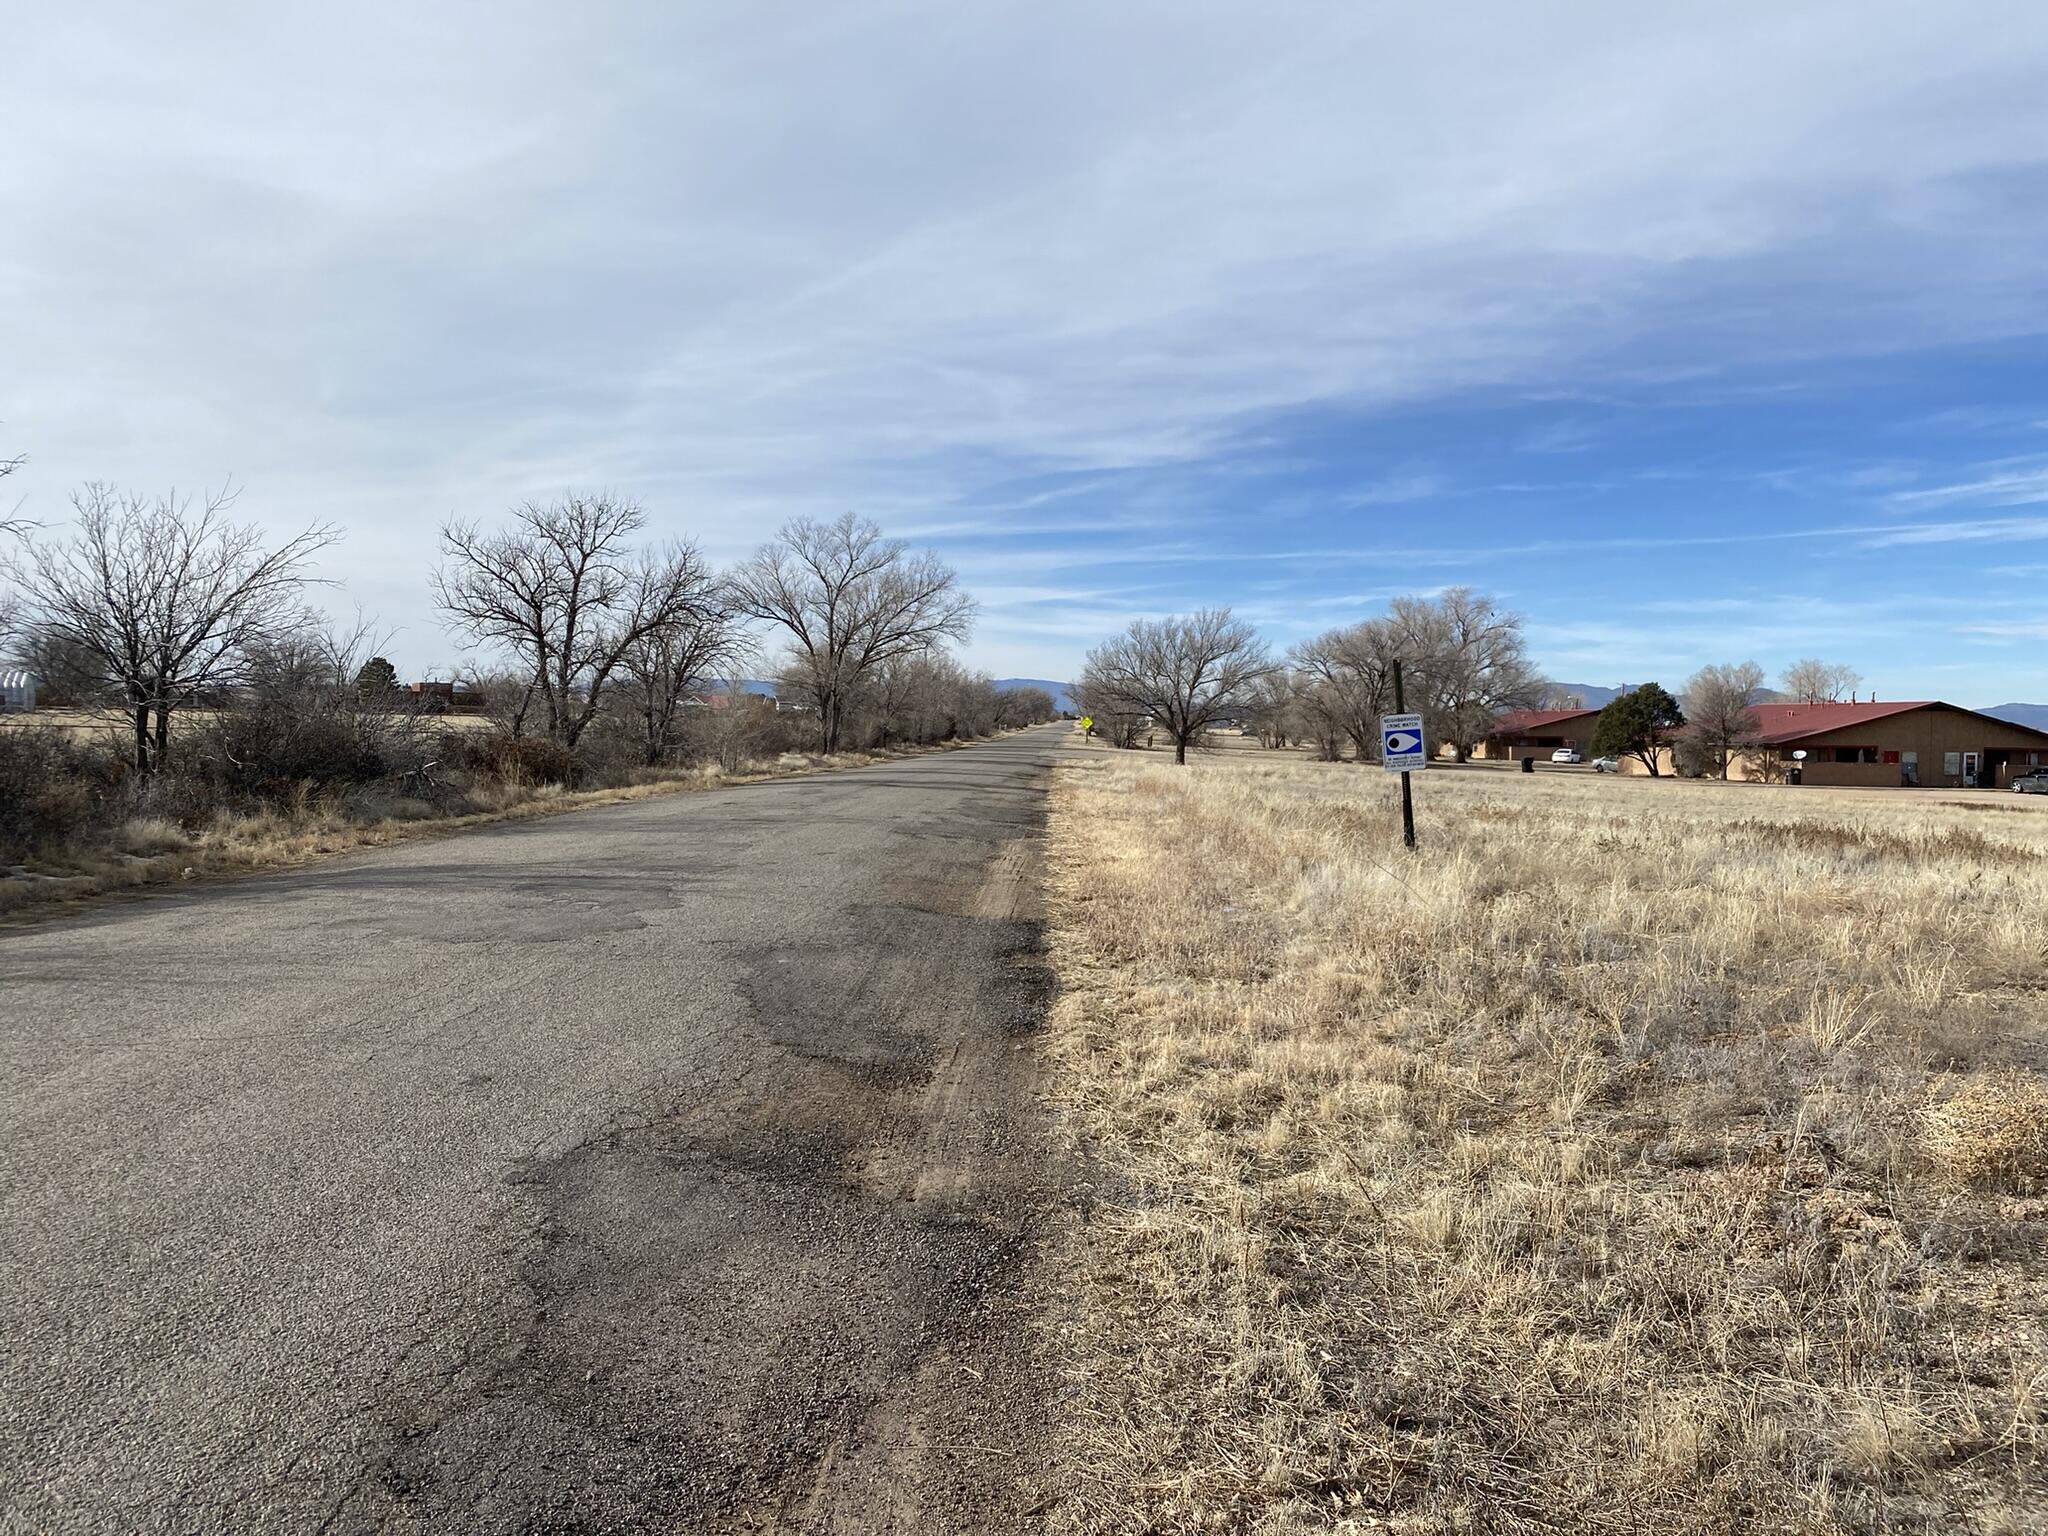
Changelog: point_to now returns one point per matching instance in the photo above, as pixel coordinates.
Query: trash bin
(1792, 774)
(1528, 765)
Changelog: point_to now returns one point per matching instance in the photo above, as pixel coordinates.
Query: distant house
(1539, 732)
(747, 695)
(1897, 744)
(439, 698)
(17, 691)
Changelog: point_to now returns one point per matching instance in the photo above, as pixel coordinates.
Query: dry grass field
(111, 725)
(1638, 1157)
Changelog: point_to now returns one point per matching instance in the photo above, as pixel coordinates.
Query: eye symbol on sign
(1403, 741)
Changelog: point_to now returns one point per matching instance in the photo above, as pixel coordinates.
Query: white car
(1567, 755)
(1607, 765)
(2034, 783)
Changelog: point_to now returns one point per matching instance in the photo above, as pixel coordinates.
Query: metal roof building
(17, 691)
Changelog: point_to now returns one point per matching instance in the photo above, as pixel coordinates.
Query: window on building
(1951, 764)
(1855, 754)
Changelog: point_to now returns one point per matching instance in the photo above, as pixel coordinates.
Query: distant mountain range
(1062, 698)
(2035, 715)
(1588, 695)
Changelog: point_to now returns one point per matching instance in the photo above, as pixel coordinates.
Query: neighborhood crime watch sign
(1401, 743)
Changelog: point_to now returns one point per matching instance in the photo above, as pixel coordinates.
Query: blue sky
(1696, 332)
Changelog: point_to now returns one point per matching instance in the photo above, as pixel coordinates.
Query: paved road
(667, 1166)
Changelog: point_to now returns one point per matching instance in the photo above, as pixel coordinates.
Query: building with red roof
(1867, 743)
(1539, 732)
(1889, 743)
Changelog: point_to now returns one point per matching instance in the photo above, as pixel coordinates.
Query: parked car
(2033, 783)
(1567, 755)
(1607, 765)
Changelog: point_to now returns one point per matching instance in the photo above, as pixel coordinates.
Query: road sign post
(1403, 746)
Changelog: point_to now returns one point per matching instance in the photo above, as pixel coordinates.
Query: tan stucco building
(1539, 732)
(1890, 745)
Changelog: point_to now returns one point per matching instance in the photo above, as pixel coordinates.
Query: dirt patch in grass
(1663, 1162)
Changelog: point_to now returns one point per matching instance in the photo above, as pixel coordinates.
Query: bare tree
(1110, 716)
(735, 724)
(1464, 658)
(703, 640)
(65, 672)
(1348, 683)
(567, 596)
(923, 697)
(298, 715)
(1185, 673)
(1813, 681)
(169, 601)
(11, 526)
(1024, 706)
(1469, 660)
(1275, 709)
(851, 601)
(1721, 723)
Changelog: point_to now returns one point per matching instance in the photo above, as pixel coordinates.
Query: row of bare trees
(582, 612)
(1464, 664)
(155, 603)
(1463, 659)
(564, 595)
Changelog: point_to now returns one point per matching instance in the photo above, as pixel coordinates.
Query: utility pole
(1407, 794)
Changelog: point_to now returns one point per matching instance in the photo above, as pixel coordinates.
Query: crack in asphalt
(723, 1221)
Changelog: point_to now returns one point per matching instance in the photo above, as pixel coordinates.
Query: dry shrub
(144, 836)
(52, 788)
(506, 759)
(1571, 1175)
(1993, 1129)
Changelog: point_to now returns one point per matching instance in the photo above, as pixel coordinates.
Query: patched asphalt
(670, 1166)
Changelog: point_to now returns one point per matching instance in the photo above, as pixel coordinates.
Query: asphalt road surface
(667, 1166)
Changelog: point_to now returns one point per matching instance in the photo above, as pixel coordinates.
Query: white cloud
(386, 263)
(1394, 490)
(2012, 484)
(2000, 530)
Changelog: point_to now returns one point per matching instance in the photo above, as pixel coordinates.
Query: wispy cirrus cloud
(1992, 530)
(1395, 490)
(2016, 484)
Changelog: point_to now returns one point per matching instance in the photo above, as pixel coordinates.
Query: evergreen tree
(376, 678)
(1635, 724)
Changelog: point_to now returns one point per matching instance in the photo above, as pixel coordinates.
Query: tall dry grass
(1638, 1157)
